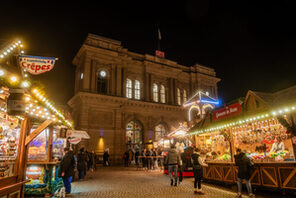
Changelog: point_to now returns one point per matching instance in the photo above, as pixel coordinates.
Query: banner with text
(227, 112)
(36, 64)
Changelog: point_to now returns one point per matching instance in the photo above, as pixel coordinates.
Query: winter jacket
(67, 165)
(81, 161)
(173, 157)
(244, 166)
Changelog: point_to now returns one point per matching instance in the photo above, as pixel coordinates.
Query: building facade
(124, 99)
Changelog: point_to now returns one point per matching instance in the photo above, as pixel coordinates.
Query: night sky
(250, 44)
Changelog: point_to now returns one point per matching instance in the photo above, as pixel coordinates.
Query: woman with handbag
(197, 164)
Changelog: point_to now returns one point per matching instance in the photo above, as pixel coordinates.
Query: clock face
(103, 73)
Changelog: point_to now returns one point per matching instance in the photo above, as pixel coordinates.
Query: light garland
(10, 49)
(243, 121)
(49, 105)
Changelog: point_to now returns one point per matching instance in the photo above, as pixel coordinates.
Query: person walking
(197, 164)
(66, 170)
(244, 172)
(144, 159)
(106, 157)
(155, 159)
(149, 159)
(81, 164)
(173, 161)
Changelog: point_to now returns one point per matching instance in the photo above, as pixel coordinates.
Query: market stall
(183, 145)
(268, 138)
(30, 144)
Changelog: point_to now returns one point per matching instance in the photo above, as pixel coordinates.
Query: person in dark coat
(137, 154)
(81, 163)
(106, 157)
(126, 158)
(244, 172)
(197, 164)
(66, 171)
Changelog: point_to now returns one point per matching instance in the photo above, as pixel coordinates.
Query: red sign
(159, 53)
(227, 112)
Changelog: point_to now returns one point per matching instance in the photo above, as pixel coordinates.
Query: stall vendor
(278, 145)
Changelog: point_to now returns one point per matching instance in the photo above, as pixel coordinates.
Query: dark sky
(250, 44)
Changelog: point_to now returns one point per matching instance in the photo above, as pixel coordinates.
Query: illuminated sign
(226, 112)
(36, 65)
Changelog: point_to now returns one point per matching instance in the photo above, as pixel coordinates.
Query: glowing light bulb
(1, 72)
(13, 78)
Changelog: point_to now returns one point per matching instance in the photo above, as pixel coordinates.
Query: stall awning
(77, 134)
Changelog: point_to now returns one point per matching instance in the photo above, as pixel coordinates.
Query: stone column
(113, 80)
(119, 80)
(86, 74)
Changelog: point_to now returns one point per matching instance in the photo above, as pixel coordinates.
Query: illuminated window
(134, 134)
(137, 89)
(178, 96)
(102, 82)
(129, 88)
(159, 132)
(184, 96)
(155, 92)
(162, 94)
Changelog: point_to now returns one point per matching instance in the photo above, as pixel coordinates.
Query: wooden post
(231, 143)
(50, 139)
(22, 149)
(37, 131)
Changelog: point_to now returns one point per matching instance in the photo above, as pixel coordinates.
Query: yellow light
(13, 78)
(25, 84)
(19, 41)
(21, 45)
(1, 72)
(22, 51)
(1, 56)
(27, 98)
(35, 90)
(5, 53)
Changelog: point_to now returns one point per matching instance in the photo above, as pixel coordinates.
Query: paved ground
(132, 183)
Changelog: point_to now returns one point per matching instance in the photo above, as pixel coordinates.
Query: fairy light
(240, 122)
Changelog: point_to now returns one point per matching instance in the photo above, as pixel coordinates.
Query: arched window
(184, 96)
(102, 82)
(159, 132)
(134, 133)
(162, 94)
(137, 89)
(178, 96)
(155, 92)
(129, 88)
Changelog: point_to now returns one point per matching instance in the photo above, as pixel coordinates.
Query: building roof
(279, 98)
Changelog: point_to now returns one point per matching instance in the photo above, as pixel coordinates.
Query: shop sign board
(36, 64)
(74, 140)
(227, 112)
(77, 134)
(15, 103)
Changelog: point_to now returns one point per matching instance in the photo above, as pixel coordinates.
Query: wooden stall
(266, 135)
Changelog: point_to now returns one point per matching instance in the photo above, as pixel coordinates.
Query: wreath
(289, 126)
(225, 135)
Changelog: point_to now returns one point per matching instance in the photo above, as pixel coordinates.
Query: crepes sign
(36, 64)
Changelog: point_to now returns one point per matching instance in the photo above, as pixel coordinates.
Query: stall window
(58, 145)
(155, 92)
(129, 88)
(159, 132)
(102, 82)
(184, 96)
(264, 141)
(38, 146)
(162, 94)
(134, 133)
(9, 140)
(137, 89)
(178, 96)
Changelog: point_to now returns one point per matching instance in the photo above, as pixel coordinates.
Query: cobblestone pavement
(132, 183)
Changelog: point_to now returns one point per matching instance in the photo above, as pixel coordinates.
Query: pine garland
(290, 127)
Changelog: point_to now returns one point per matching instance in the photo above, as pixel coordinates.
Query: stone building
(123, 98)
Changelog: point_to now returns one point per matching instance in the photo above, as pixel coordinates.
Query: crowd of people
(81, 162)
(150, 159)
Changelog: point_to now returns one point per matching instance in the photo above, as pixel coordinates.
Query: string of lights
(277, 112)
